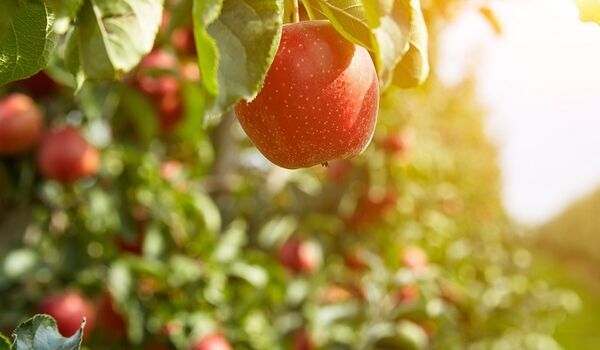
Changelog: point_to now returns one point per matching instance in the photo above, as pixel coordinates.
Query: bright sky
(541, 84)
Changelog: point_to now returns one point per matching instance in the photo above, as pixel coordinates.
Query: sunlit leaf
(414, 67)
(111, 37)
(239, 46)
(26, 38)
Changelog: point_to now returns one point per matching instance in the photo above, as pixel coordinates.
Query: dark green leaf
(26, 40)
(40, 333)
(4, 343)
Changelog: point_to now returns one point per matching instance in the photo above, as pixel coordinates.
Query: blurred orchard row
(168, 237)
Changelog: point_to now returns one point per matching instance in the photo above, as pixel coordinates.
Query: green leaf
(40, 333)
(231, 243)
(111, 37)
(235, 49)
(205, 13)
(347, 17)
(194, 119)
(390, 21)
(26, 40)
(277, 230)
(589, 10)
(4, 343)
(414, 67)
(254, 274)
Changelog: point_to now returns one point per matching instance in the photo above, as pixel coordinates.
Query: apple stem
(295, 11)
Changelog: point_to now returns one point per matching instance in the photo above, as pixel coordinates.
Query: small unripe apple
(21, 124)
(299, 256)
(66, 156)
(414, 258)
(319, 101)
(215, 341)
(68, 310)
(110, 322)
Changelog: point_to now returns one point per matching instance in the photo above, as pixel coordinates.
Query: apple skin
(299, 256)
(68, 310)
(319, 101)
(110, 322)
(66, 156)
(215, 341)
(21, 124)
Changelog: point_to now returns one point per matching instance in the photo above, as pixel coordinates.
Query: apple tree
(137, 190)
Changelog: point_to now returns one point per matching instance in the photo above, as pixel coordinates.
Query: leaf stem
(295, 11)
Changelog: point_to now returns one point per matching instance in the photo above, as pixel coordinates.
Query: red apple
(133, 245)
(400, 143)
(110, 322)
(183, 41)
(371, 208)
(355, 262)
(21, 124)
(215, 341)
(319, 101)
(66, 156)
(303, 341)
(156, 78)
(68, 310)
(414, 258)
(170, 169)
(408, 294)
(299, 256)
(171, 328)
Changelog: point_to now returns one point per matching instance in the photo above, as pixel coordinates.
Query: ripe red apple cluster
(64, 154)
(319, 101)
(156, 79)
